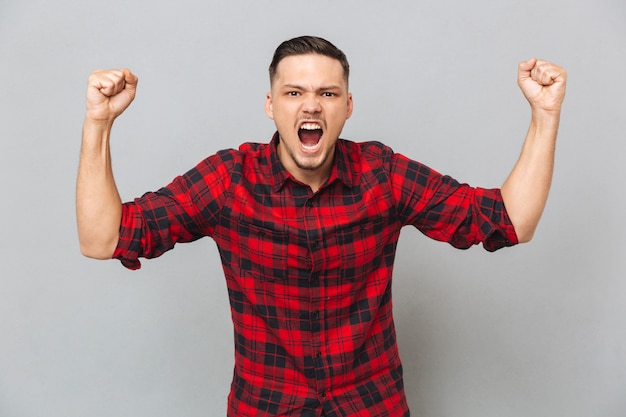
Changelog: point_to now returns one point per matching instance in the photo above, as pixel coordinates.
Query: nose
(311, 103)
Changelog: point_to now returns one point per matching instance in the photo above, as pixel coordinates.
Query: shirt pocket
(263, 251)
(361, 247)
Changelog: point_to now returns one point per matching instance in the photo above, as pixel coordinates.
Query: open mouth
(310, 134)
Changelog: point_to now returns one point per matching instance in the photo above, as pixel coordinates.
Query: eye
(328, 94)
(293, 93)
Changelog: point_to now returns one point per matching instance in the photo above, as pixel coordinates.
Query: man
(307, 227)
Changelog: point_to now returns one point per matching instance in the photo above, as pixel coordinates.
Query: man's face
(309, 103)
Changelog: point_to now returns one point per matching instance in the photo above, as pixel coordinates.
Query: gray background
(537, 330)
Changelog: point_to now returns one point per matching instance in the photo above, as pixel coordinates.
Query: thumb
(527, 66)
(130, 79)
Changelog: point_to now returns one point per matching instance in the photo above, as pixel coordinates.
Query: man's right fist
(109, 93)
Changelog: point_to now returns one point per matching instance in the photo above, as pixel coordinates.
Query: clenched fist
(542, 83)
(109, 93)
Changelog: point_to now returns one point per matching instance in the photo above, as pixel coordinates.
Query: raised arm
(98, 204)
(525, 191)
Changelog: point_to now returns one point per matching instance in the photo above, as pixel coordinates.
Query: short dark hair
(305, 45)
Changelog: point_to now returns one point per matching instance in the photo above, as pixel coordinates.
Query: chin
(311, 164)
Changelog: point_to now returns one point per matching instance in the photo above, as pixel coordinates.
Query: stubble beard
(302, 162)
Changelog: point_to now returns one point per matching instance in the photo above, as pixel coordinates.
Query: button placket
(314, 244)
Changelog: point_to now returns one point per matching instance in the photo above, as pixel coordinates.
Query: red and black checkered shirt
(309, 274)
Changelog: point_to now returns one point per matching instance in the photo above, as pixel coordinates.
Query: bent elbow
(101, 256)
(525, 235)
(100, 251)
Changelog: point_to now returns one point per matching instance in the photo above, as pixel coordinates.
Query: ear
(350, 106)
(269, 109)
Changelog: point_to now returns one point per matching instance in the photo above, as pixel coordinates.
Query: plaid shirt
(309, 274)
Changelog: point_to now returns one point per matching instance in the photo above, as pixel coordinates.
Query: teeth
(310, 126)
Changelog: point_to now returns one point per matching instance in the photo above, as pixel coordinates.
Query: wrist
(96, 134)
(545, 119)
(96, 128)
(98, 122)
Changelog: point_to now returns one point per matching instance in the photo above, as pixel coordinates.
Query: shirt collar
(345, 169)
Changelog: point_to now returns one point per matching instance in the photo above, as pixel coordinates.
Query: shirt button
(315, 315)
(318, 355)
(315, 244)
(309, 203)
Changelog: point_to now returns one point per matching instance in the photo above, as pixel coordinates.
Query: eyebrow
(299, 87)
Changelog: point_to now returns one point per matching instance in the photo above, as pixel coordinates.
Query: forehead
(309, 69)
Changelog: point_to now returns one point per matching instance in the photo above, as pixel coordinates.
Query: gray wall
(538, 330)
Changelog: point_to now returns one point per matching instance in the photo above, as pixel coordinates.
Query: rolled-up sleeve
(185, 210)
(445, 210)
